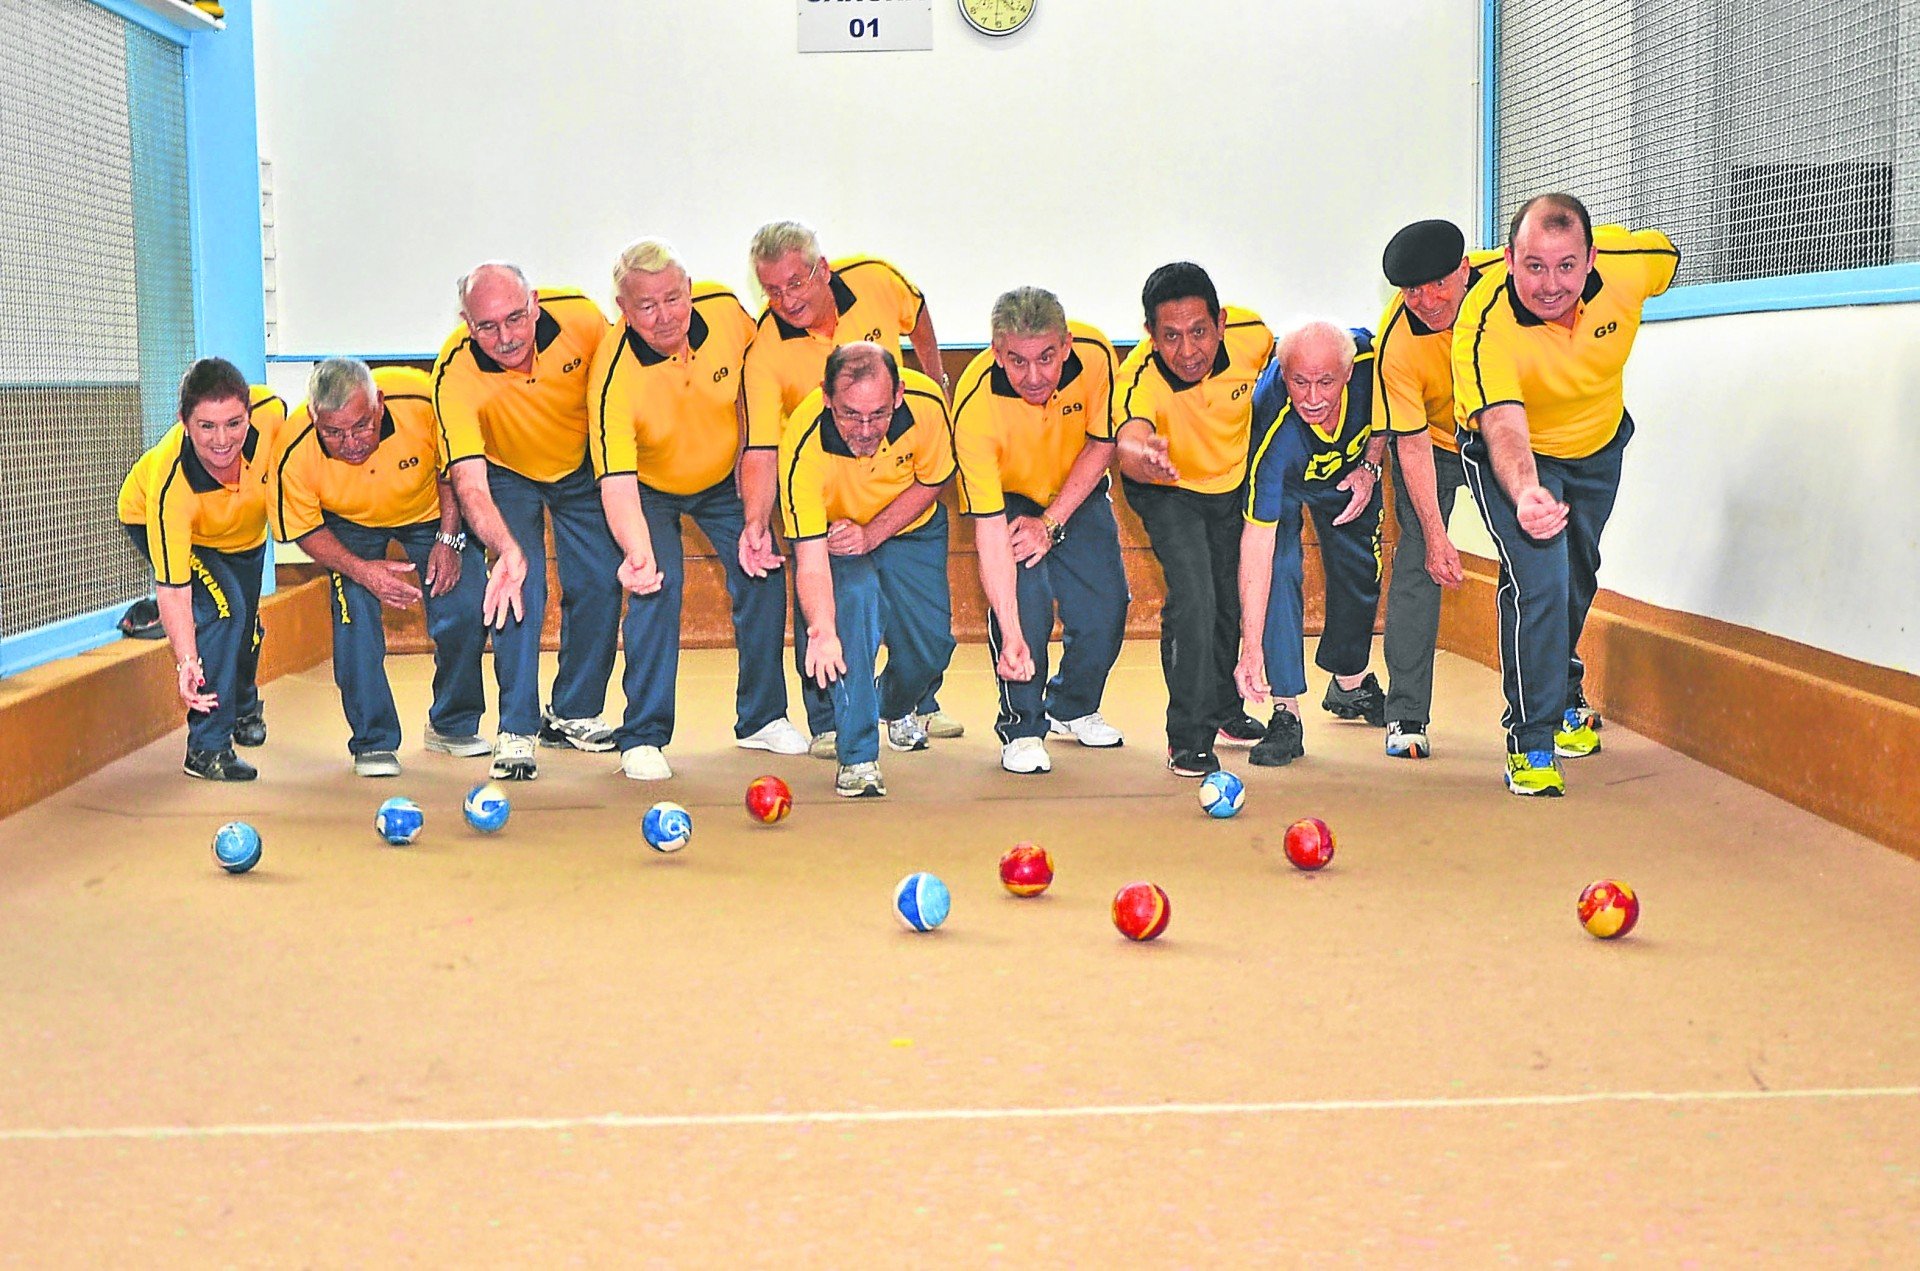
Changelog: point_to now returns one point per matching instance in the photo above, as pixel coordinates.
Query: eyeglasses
(853, 419)
(491, 329)
(335, 431)
(793, 290)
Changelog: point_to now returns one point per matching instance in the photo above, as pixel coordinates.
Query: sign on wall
(865, 26)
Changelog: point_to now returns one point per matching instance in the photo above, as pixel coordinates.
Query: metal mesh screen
(1768, 137)
(96, 314)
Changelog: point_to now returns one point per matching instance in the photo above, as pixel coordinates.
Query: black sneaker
(218, 765)
(1240, 730)
(1367, 702)
(1191, 763)
(250, 730)
(1285, 741)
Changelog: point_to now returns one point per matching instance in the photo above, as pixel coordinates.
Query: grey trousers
(1413, 599)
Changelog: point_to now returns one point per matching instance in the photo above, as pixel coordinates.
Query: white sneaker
(780, 737)
(513, 758)
(644, 763)
(859, 781)
(905, 733)
(1088, 730)
(943, 726)
(825, 745)
(1026, 754)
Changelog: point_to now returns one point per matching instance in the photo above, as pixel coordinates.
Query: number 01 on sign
(865, 26)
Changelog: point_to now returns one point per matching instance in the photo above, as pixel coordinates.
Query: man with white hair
(860, 475)
(666, 425)
(1318, 448)
(360, 471)
(814, 305)
(510, 388)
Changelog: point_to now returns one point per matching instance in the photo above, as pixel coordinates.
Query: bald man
(1319, 449)
(510, 391)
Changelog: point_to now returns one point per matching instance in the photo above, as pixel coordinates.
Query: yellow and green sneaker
(1575, 738)
(1535, 773)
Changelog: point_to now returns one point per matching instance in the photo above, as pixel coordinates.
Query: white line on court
(724, 1120)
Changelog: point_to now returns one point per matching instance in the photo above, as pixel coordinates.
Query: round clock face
(997, 17)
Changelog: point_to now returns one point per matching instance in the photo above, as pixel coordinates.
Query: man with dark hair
(1538, 353)
(861, 467)
(1184, 399)
(1413, 401)
(195, 505)
(360, 471)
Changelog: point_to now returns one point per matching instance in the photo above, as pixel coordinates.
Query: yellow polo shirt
(1208, 424)
(1567, 380)
(673, 422)
(876, 302)
(397, 485)
(532, 422)
(822, 480)
(1413, 366)
(183, 506)
(1002, 443)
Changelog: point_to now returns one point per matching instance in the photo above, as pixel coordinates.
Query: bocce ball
(1026, 869)
(1609, 909)
(1221, 794)
(768, 800)
(1309, 843)
(487, 808)
(399, 821)
(666, 827)
(921, 902)
(1141, 911)
(236, 845)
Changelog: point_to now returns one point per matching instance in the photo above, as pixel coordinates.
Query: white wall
(1279, 143)
(1770, 482)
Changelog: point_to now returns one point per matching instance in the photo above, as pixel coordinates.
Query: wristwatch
(458, 542)
(1371, 467)
(1055, 531)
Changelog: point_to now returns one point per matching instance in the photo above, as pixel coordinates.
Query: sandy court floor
(552, 1046)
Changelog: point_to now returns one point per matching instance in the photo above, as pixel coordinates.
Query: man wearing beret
(1413, 401)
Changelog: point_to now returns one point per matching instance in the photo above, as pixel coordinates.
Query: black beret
(1422, 252)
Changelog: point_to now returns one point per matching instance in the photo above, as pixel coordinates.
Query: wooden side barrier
(1837, 737)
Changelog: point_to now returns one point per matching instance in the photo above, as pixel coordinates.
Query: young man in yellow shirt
(1539, 350)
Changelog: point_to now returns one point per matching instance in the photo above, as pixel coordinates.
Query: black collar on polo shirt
(834, 444)
(545, 331)
(199, 480)
(697, 331)
(1220, 363)
(1003, 387)
(843, 300)
(1524, 316)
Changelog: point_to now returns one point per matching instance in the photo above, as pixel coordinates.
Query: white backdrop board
(1278, 142)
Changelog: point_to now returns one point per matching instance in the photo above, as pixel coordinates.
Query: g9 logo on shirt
(572, 366)
(721, 374)
(872, 336)
(411, 461)
(1073, 408)
(1604, 330)
(1242, 391)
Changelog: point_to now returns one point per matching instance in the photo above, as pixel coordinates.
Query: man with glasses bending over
(510, 389)
(861, 468)
(361, 470)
